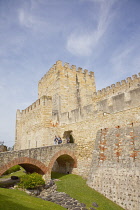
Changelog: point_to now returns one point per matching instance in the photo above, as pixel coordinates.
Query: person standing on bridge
(59, 140)
(55, 140)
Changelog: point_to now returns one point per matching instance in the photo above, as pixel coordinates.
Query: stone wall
(115, 165)
(70, 88)
(32, 124)
(68, 102)
(41, 159)
(68, 109)
(67, 99)
(63, 91)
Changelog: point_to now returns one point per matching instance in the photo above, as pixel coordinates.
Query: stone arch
(29, 164)
(62, 157)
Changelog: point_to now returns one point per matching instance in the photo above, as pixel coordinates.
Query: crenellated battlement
(59, 67)
(119, 87)
(74, 86)
(43, 101)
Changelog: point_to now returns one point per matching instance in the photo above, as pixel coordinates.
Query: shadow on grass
(8, 204)
(56, 175)
(8, 183)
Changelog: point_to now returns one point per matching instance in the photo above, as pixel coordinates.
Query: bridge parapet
(42, 158)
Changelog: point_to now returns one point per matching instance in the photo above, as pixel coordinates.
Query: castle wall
(120, 112)
(115, 165)
(84, 133)
(120, 87)
(73, 105)
(32, 124)
(69, 89)
(38, 124)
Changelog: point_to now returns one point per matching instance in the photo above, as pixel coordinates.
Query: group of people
(57, 140)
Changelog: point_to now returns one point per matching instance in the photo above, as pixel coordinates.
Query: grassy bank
(73, 185)
(15, 200)
(76, 187)
(17, 173)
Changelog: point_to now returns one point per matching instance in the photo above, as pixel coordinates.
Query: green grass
(15, 200)
(76, 187)
(17, 173)
(12, 169)
(73, 185)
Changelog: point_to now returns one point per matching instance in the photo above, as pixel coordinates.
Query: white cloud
(83, 44)
(31, 21)
(80, 45)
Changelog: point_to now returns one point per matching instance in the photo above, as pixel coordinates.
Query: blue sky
(99, 35)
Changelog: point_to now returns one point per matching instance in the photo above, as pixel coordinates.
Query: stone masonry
(69, 105)
(115, 168)
(41, 160)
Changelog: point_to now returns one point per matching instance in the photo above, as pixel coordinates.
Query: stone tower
(63, 92)
(70, 88)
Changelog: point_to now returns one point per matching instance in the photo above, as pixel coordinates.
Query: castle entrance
(68, 136)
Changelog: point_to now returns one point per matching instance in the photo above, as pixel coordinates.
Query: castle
(104, 124)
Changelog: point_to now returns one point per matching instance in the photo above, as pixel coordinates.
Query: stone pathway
(51, 194)
(63, 200)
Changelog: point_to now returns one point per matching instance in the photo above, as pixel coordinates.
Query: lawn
(73, 185)
(76, 187)
(17, 173)
(15, 200)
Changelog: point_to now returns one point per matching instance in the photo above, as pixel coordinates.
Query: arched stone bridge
(41, 160)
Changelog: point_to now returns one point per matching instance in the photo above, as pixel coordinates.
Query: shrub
(31, 181)
(12, 169)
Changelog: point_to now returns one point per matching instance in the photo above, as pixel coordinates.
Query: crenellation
(38, 102)
(103, 90)
(43, 101)
(80, 70)
(23, 112)
(107, 88)
(54, 66)
(34, 105)
(85, 71)
(58, 65)
(91, 73)
(118, 84)
(66, 65)
(129, 79)
(73, 67)
(52, 69)
(112, 86)
(99, 92)
(134, 76)
(26, 111)
(124, 86)
(123, 82)
(18, 112)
